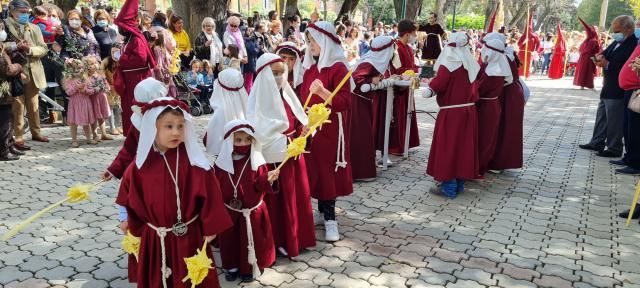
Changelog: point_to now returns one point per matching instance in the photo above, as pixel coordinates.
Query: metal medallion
(179, 229)
(235, 203)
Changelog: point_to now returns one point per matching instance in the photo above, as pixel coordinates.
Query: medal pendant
(179, 229)
(235, 204)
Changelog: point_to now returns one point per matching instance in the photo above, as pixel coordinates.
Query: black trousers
(328, 209)
(631, 135)
(6, 128)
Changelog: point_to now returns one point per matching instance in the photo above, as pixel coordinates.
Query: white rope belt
(162, 233)
(457, 106)
(253, 260)
(494, 98)
(136, 69)
(341, 161)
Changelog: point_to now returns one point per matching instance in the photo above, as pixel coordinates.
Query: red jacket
(47, 33)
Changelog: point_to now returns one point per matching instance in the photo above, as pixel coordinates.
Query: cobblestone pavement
(551, 224)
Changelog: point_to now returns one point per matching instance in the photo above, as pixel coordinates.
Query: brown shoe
(106, 137)
(43, 139)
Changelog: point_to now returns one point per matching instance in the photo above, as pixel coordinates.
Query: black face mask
(316, 58)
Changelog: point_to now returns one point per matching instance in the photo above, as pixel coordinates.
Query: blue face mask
(618, 37)
(23, 18)
(103, 23)
(637, 33)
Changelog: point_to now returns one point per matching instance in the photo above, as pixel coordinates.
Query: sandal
(74, 144)
(106, 137)
(92, 142)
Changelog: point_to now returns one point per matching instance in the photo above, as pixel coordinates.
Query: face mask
(116, 55)
(23, 18)
(242, 150)
(413, 39)
(279, 80)
(395, 61)
(637, 33)
(618, 37)
(3, 36)
(75, 23)
(54, 20)
(103, 23)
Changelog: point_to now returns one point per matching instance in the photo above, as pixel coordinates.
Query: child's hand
(208, 239)
(318, 88)
(124, 226)
(273, 175)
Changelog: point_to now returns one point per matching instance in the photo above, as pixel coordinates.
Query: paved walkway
(551, 224)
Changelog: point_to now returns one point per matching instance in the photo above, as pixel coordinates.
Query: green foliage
(466, 21)
(589, 10)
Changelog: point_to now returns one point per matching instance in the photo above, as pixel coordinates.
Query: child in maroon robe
(278, 117)
(293, 57)
(172, 197)
(495, 73)
(586, 68)
(135, 62)
(406, 35)
(454, 151)
(369, 86)
(246, 248)
(329, 163)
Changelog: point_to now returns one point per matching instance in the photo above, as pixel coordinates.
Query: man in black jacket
(608, 130)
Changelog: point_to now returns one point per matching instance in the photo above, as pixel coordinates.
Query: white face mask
(116, 55)
(3, 35)
(413, 39)
(75, 23)
(279, 80)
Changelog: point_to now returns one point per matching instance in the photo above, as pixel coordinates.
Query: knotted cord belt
(253, 260)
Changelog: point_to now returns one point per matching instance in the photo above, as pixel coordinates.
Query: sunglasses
(233, 26)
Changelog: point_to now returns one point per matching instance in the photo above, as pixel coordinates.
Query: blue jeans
(547, 62)
(452, 188)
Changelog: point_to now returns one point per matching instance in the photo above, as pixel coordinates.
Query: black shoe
(230, 276)
(589, 147)
(609, 154)
(628, 171)
(247, 278)
(15, 151)
(9, 157)
(636, 213)
(618, 162)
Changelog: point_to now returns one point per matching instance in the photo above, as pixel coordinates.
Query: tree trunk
(347, 8)
(507, 13)
(193, 11)
(65, 5)
(488, 12)
(290, 10)
(441, 8)
(542, 19)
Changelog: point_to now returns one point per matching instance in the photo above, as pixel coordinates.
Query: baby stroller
(188, 95)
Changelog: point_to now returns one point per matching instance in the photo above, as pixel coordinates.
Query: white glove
(381, 85)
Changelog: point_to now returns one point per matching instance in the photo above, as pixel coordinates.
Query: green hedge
(466, 22)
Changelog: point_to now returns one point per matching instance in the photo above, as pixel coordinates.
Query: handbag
(634, 102)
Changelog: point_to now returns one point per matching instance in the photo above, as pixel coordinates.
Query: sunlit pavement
(551, 224)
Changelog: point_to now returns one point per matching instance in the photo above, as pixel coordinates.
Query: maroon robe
(509, 149)
(525, 52)
(363, 149)
(126, 155)
(454, 149)
(399, 114)
(290, 207)
(556, 68)
(135, 55)
(489, 110)
(325, 183)
(586, 69)
(234, 242)
(149, 195)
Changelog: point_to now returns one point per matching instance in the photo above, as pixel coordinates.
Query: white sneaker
(318, 218)
(379, 163)
(331, 231)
